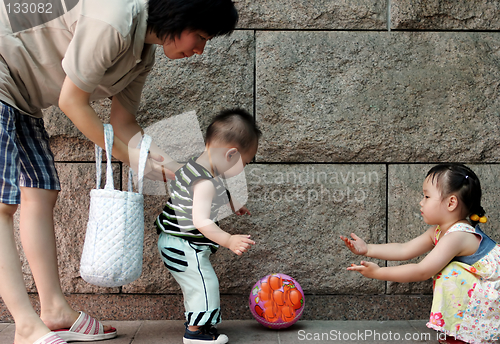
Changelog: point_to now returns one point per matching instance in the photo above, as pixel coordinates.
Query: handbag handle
(108, 141)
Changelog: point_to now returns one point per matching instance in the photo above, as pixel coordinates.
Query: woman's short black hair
(168, 18)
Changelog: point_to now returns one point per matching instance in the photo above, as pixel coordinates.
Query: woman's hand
(357, 245)
(159, 166)
(158, 169)
(367, 269)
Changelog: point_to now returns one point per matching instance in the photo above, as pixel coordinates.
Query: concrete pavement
(251, 332)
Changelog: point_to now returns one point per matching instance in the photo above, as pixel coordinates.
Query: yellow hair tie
(476, 218)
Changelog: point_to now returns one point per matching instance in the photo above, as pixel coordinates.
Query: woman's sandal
(50, 338)
(86, 329)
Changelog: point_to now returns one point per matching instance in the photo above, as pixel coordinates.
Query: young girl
(463, 261)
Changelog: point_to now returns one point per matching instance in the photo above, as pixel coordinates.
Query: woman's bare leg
(29, 327)
(39, 244)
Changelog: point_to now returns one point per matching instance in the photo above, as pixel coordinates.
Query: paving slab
(7, 333)
(379, 332)
(251, 332)
(3, 326)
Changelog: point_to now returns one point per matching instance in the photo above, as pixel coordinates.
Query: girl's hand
(367, 269)
(240, 243)
(357, 245)
(242, 211)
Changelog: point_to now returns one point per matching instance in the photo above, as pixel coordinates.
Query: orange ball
(276, 301)
(271, 311)
(264, 295)
(287, 313)
(294, 298)
(279, 297)
(265, 287)
(275, 282)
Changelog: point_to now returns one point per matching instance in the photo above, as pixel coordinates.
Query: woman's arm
(75, 103)
(204, 192)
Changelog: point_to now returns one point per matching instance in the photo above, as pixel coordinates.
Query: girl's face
(188, 44)
(432, 206)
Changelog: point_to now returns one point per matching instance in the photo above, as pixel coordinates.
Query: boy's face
(234, 162)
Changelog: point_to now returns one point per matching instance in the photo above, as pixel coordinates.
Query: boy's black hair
(168, 18)
(460, 180)
(234, 126)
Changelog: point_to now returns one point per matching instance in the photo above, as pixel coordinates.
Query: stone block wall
(356, 101)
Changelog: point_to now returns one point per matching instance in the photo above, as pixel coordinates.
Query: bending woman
(90, 50)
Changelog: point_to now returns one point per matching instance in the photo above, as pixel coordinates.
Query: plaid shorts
(25, 155)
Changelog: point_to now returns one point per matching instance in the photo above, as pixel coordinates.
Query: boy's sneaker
(204, 335)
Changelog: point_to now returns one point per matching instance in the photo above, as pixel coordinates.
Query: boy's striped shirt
(177, 215)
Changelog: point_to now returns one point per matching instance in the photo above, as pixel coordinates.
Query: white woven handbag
(112, 252)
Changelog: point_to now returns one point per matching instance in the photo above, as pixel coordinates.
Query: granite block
(378, 97)
(303, 14)
(445, 15)
(70, 223)
(298, 212)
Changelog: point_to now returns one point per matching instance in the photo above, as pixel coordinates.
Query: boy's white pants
(190, 265)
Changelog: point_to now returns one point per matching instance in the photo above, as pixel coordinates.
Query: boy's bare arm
(237, 207)
(204, 192)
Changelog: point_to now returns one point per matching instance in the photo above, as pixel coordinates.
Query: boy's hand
(357, 245)
(240, 243)
(242, 211)
(367, 269)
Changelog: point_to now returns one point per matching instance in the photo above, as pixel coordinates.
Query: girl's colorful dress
(466, 302)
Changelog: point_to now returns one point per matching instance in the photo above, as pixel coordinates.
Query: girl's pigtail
(478, 216)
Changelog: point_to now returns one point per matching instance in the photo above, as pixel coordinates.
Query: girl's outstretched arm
(450, 246)
(393, 251)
